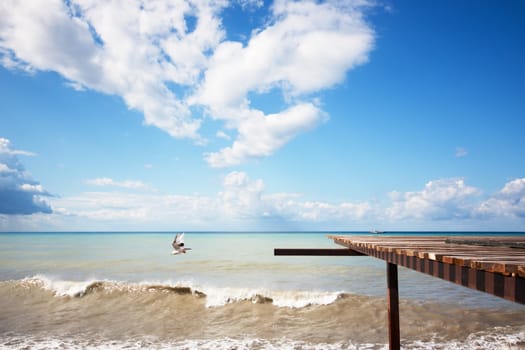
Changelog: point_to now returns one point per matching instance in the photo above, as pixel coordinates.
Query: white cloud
(440, 199)
(5, 148)
(115, 47)
(309, 47)
(32, 188)
(452, 204)
(323, 212)
(241, 196)
(508, 202)
(250, 4)
(260, 135)
(129, 184)
(151, 55)
(514, 189)
(5, 169)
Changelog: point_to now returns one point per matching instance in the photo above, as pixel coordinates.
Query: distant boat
(377, 232)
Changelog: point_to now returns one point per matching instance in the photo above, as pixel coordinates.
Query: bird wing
(177, 241)
(175, 244)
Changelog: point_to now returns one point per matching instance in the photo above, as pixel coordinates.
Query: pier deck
(491, 264)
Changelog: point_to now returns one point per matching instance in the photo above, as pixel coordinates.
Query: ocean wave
(214, 296)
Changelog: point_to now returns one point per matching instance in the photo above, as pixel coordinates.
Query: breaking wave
(213, 296)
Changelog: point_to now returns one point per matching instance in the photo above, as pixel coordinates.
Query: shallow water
(126, 291)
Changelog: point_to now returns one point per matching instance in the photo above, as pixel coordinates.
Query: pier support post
(393, 307)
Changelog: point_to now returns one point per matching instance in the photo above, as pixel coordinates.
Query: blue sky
(252, 115)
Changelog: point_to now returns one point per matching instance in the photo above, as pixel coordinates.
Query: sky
(195, 115)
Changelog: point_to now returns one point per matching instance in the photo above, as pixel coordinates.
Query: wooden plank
(315, 252)
(510, 242)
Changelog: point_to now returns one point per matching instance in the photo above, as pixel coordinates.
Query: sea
(125, 290)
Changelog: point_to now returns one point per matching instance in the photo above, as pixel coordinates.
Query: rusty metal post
(393, 307)
(316, 252)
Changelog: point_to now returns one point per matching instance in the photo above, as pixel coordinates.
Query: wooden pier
(491, 264)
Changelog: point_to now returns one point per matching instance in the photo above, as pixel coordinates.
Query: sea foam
(507, 342)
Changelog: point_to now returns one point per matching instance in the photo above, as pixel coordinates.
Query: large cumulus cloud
(175, 62)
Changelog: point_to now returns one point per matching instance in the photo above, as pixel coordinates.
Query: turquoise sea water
(125, 290)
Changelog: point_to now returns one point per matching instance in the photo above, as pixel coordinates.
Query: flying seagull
(178, 244)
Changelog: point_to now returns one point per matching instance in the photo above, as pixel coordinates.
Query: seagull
(178, 244)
